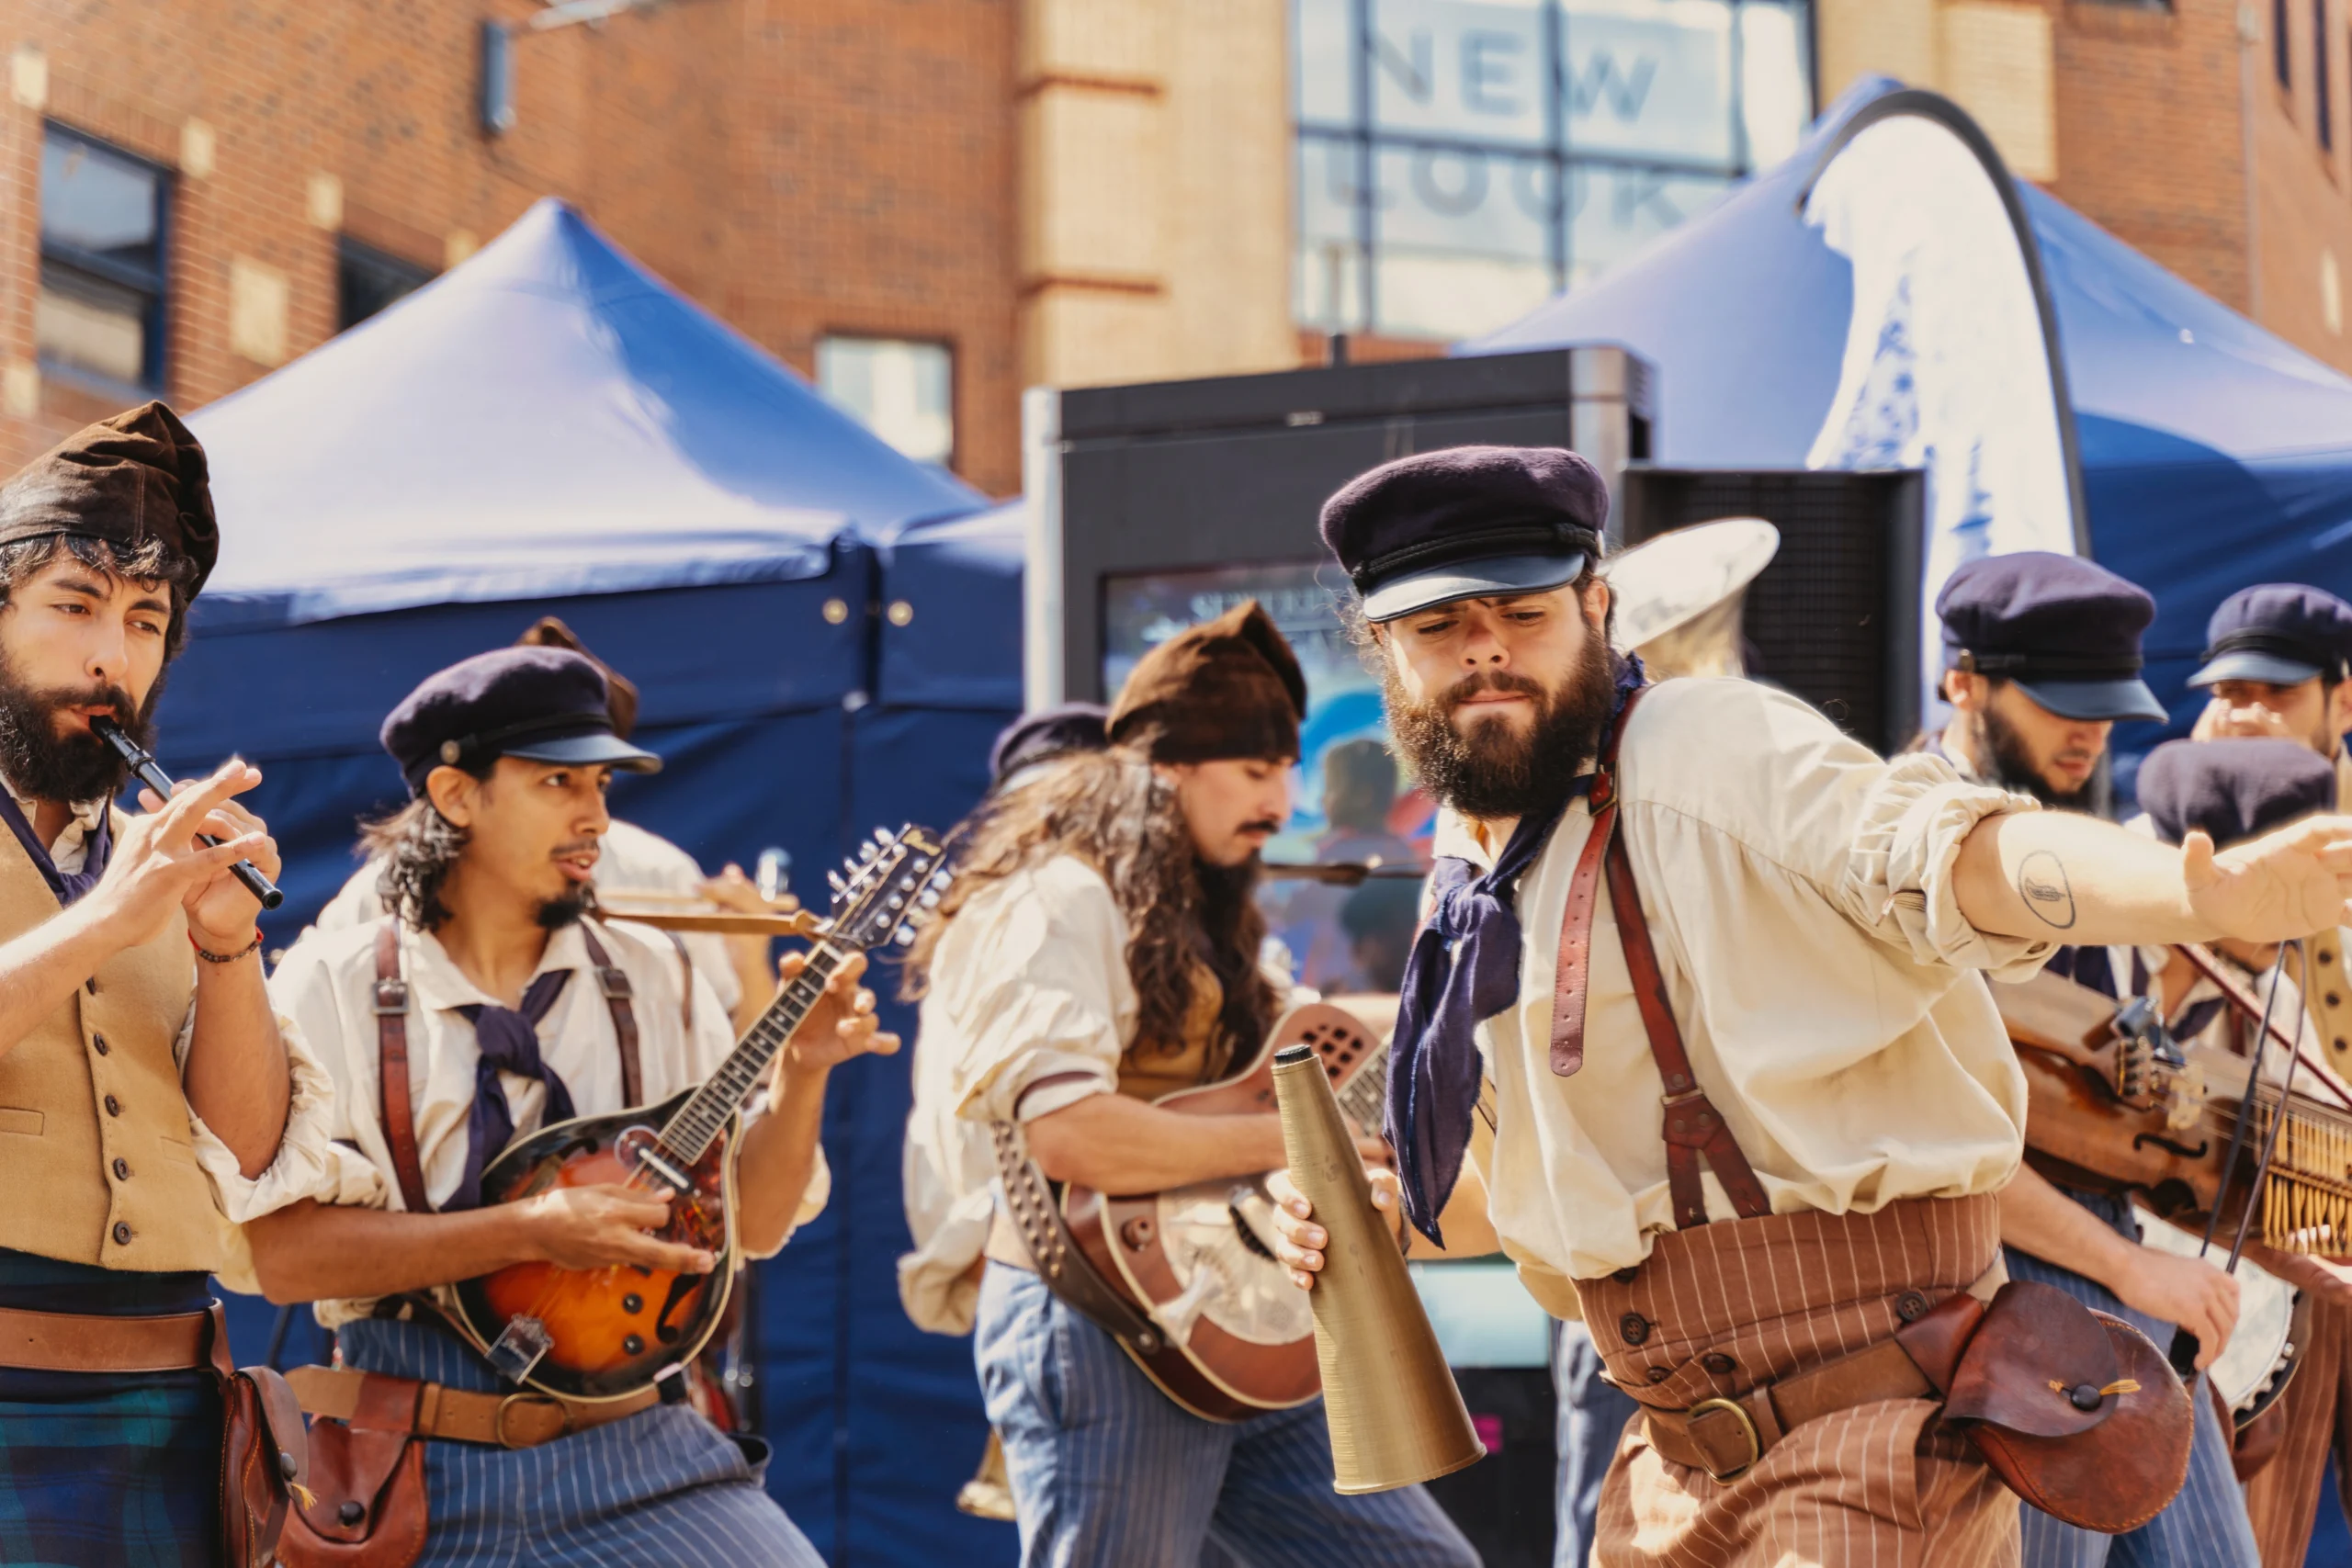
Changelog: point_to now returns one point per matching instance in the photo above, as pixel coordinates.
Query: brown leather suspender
(1692, 1126)
(393, 1107)
(395, 1111)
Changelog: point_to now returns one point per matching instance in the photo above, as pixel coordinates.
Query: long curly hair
(1111, 810)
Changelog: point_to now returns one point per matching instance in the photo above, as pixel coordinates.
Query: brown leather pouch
(369, 1476)
(2077, 1412)
(264, 1455)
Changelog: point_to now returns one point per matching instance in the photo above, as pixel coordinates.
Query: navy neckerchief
(1464, 970)
(97, 849)
(508, 1040)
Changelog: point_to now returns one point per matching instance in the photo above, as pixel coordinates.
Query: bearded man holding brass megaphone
(1753, 1100)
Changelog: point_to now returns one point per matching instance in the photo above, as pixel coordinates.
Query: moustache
(1485, 680)
(577, 847)
(113, 699)
(1262, 825)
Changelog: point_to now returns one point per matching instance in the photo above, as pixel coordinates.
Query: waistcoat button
(121, 1233)
(1910, 1306)
(1718, 1363)
(98, 1044)
(352, 1512)
(1634, 1327)
(1660, 1374)
(1627, 1276)
(122, 1170)
(114, 1106)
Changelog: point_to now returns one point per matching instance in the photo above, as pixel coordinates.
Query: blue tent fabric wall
(2214, 454)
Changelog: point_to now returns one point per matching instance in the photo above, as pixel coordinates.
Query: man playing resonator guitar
(509, 1005)
(1098, 949)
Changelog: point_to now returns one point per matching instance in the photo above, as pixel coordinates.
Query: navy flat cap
(2233, 789)
(2280, 633)
(544, 704)
(1465, 523)
(1048, 733)
(2065, 629)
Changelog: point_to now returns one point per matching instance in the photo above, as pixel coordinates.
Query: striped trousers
(2283, 1499)
(2205, 1526)
(1717, 1310)
(661, 1486)
(1592, 1416)
(1108, 1473)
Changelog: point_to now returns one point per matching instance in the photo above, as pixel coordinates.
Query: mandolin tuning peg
(928, 898)
(883, 838)
(866, 853)
(904, 936)
(941, 878)
(837, 882)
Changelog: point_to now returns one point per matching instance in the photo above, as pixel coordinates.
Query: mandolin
(1199, 1260)
(603, 1334)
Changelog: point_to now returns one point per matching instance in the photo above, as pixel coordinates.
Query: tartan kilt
(105, 1469)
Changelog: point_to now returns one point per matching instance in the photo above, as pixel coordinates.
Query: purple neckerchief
(97, 847)
(509, 1042)
(1463, 969)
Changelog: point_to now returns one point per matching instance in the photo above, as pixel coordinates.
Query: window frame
(350, 249)
(156, 319)
(944, 342)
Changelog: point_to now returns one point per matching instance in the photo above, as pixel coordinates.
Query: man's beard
(1493, 772)
(77, 766)
(2004, 750)
(556, 913)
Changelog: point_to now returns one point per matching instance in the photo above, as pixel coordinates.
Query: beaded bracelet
(224, 957)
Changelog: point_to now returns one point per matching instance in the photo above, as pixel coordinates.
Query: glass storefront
(1460, 160)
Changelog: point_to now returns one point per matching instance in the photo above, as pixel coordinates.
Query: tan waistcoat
(1148, 1069)
(96, 1156)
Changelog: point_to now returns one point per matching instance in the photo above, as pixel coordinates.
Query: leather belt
(372, 1402)
(1726, 1437)
(1039, 1231)
(68, 1342)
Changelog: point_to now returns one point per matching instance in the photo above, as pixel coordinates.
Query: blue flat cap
(2280, 633)
(1465, 523)
(1048, 733)
(2233, 789)
(544, 704)
(2065, 629)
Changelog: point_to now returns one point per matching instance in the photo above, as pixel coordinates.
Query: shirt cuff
(1005, 1095)
(813, 1199)
(1902, 870)
(307, 1163)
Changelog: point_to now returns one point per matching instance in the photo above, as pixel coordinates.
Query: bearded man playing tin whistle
(1813, 928)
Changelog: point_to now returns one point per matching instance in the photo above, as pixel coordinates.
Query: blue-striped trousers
(2205, 1526)
(661, 1486)
(1108, 1473)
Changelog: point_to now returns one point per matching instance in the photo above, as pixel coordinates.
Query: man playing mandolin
(1100, 947)
(515, 1007)
(1754, 1102)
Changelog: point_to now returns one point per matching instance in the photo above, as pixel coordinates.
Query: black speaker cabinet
(1834, 617)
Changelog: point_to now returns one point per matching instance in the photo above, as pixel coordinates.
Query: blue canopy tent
(2213, 455)
(549, 429)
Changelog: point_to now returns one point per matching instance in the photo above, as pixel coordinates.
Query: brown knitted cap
(136, 476)
(1230, 687)
(620, 691)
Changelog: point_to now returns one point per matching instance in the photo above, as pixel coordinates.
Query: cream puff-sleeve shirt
(1799, 891)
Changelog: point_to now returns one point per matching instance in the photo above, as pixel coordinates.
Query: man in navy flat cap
(2275, 658)
(513, 1007)
(2042, 657)
(1723, 964)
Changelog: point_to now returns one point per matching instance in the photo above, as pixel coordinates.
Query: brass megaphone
(1396, 1416)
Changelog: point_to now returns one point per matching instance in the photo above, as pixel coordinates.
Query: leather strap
(69, 1342)
(1692, 1125)
(1724, 1437)
(618, 992)
(1054, 1254)
(394, 1110)
(370, 1402)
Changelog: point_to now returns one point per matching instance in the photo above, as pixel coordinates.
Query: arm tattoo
(2041, 882)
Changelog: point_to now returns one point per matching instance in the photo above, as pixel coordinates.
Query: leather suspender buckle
(392, 996)
(1703, 1434)
(614, 981)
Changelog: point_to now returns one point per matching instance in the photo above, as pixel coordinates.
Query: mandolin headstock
(895, 880)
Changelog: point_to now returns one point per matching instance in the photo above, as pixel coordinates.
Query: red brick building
(193, 191)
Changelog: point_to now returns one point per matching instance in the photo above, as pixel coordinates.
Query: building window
(903, 391)
(100, 309)
(368, 279)
(2323, 112)
(2282, 48)
(1460, 160)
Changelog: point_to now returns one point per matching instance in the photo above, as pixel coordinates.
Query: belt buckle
(498, 1421)
(1747, 1425)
